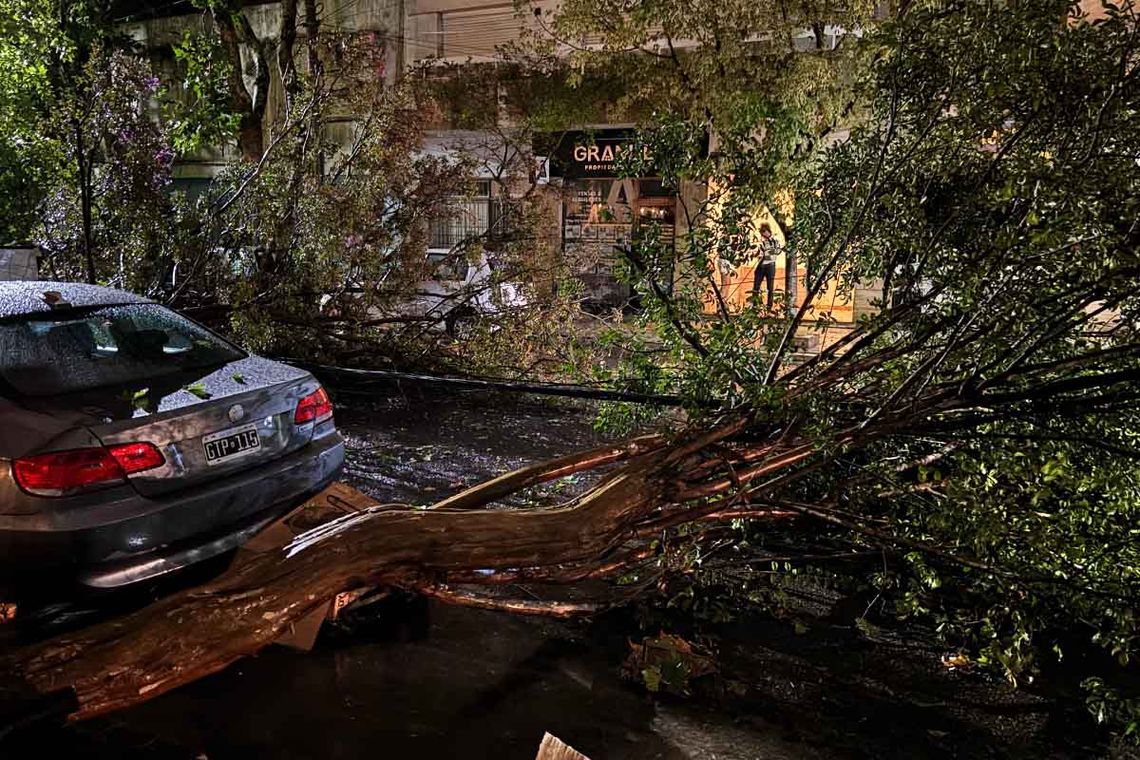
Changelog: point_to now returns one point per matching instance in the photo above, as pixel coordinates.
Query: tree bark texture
(234, 31)
(83, 161)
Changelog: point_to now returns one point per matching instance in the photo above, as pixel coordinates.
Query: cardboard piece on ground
(335, 501)
(554, 749)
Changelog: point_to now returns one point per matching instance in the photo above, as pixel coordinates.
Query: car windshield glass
(43, 355)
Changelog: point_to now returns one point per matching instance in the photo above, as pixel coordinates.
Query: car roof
(27, 296)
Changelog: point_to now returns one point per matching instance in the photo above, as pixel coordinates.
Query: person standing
(766, 264)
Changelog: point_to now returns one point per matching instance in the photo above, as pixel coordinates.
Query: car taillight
(137, 457)
(315, 407)
(61, 473)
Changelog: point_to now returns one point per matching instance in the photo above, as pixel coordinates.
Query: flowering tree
(315, 240)
(89, 164)
(105, 217)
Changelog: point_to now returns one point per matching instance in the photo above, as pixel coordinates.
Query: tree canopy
(980, 426)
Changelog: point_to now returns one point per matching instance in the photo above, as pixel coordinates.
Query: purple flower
(151, 83)
(164, 155)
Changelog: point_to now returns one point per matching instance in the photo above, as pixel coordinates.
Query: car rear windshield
(54, 353)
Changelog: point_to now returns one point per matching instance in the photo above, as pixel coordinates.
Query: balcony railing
(482, 218)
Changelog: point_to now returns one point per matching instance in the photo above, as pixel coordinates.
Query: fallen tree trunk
(188, 635)
(655, 485)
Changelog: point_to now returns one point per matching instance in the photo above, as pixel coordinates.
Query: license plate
(225, 445)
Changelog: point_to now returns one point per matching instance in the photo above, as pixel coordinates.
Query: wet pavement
(411, 679)
(418, 448)
(477, 684)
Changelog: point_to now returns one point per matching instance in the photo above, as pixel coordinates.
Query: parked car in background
(135, 442)
(459, 291)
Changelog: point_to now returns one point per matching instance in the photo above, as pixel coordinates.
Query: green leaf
(137, 399)
(651, 677)
(198, 390)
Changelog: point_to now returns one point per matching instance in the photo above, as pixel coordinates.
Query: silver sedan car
(134, 441)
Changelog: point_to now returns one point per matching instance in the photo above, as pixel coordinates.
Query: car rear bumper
(173, 531)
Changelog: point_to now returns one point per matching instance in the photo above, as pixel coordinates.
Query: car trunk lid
(206, 425)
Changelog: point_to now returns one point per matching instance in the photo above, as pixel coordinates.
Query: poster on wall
(597, 220)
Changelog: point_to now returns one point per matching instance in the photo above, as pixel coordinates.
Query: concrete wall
(19, 264)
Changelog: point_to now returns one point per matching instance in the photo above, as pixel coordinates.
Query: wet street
(410, 679)
(417, 449)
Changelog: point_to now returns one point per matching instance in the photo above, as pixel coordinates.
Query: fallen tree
(658, 484)
(979, 428)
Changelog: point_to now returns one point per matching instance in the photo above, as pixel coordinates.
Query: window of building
(469, 217)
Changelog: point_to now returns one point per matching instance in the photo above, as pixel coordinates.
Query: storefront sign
(587, 155)
(593, 154)
(601, 159)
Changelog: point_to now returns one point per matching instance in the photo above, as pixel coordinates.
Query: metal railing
(471, 219)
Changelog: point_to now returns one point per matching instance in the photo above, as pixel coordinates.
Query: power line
(356, 377)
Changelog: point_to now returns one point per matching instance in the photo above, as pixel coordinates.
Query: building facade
(594, 211)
